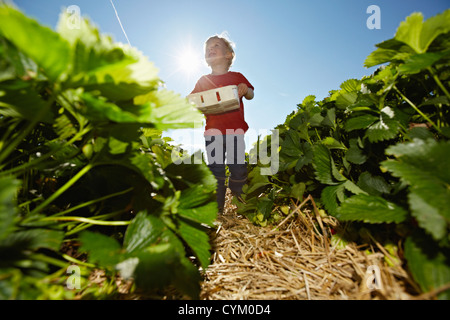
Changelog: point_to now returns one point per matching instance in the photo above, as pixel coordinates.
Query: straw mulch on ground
(294, 261)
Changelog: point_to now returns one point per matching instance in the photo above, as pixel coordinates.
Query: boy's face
(216, 52)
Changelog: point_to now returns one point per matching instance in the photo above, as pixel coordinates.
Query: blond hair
(228, 43)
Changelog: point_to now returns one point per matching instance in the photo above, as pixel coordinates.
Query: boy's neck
(219, 70)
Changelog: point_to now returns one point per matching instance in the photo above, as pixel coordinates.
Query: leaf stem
(78, 262)
(44, 157)
(88, 203)
(417, 109)
(61, 190)
(88, 220)
(50, 260)
(85, 225)
(10, 148)
(439, 83)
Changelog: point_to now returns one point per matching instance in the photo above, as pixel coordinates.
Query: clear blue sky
(286, 49)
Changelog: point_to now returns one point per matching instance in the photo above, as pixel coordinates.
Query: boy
(224, 133)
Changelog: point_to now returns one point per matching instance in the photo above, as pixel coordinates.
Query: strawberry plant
(375, 151)
(84, 170)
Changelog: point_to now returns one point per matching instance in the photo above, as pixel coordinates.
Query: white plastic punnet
(216, 101)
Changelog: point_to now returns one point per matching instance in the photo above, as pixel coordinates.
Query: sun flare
(189, 61)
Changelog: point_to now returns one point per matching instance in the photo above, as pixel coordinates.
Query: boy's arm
(250, 94)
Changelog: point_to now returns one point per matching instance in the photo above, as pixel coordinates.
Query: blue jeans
(227, 150)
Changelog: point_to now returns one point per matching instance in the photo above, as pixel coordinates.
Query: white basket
(216, 101)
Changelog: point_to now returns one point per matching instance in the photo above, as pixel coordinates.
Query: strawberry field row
(375, 151)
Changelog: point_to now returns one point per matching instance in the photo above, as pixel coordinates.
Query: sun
(189, 61)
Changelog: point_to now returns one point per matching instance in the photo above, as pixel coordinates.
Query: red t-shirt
(230, 120)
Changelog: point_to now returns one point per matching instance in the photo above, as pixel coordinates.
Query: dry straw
(295, 261)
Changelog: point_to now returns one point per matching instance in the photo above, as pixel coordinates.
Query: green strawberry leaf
(424, 166)
(47, 48)
(370, 209)
(428, 264)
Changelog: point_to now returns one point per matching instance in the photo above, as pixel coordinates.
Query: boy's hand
(242, 89)
(245, 91)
